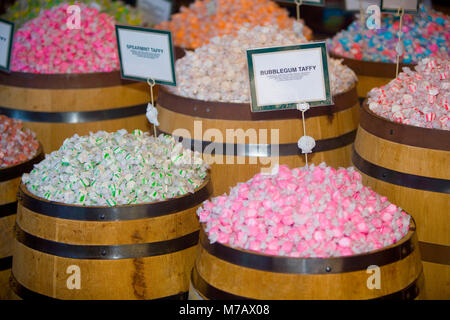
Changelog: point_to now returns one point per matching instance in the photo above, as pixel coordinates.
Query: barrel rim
(242, 111)
(371, 68)
(264, 262)
(15, 171)
(65, 81)
(403, 133)
(117, 213)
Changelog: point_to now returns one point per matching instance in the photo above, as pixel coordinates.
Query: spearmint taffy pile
(46, 44)
(425, 34)
(314, 211)
(217, 71)
(16, 143)
(108, 169)
(418, 98)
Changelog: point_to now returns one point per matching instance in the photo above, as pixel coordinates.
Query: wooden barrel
(262, 138)
(56, 106)
(371, 74)
(222, 272)
(411, 166)
(9, 186)
(143, 251)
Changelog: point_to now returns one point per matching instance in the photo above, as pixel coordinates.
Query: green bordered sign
(6, 41)
(281, 77)
(320, 3)
(146, 54)
(409, 6)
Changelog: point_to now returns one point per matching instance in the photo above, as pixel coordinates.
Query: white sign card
(281, 77)
(146, 54)
(409, 6)
(156, 10)
(6, 39)
(353, 5)
(307, 2)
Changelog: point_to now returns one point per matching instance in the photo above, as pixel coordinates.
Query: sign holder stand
(152, 112)
(298, 3)
(399, 48)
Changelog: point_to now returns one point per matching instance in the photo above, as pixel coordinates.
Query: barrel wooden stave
(107, 92)
(227, 171)
(430, 209)
(42, 269)
(8, 199)
(245, 282)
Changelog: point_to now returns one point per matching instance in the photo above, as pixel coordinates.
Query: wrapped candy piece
(16, 143)
(418, 98)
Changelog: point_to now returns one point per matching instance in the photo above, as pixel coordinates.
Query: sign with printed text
(281, 77)
(156, 11)
(409, 6)
(6, 39)
(354, 5)
(307, 2)
(146, 54)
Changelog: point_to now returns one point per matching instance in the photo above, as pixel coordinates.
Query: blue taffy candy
(440, 20)
(387, 35)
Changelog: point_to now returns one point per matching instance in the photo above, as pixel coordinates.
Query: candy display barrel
(56, 106)
(371, 74)
(9, 186)
(143, 251)
(238, 143)
(411, 166)
(223, 272)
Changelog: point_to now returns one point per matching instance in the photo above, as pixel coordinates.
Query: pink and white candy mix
(314, 211)
(46, 44)
(419, 98)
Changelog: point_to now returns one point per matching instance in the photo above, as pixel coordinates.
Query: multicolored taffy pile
(425, 34)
